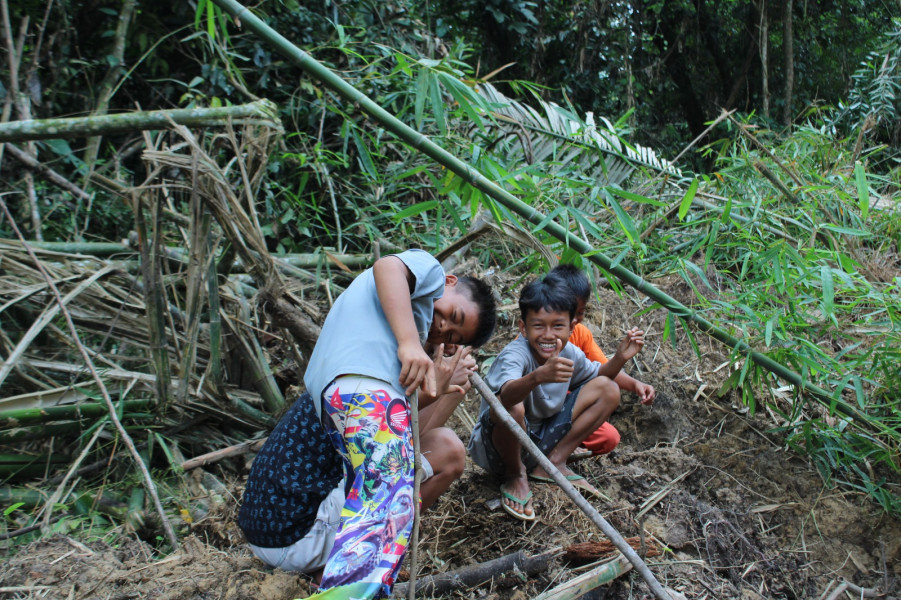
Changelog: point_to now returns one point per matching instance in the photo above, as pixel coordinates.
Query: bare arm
(394, 282)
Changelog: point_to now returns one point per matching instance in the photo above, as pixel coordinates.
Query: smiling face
(455, 319)
(542, 329)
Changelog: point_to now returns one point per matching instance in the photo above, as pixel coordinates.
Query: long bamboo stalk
(43, 129)
(422, 143)
(26, 416)
(566, 485)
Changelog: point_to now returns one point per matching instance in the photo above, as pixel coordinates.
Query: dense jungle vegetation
(750, 148)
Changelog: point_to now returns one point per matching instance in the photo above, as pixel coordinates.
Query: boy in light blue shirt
(369, 359)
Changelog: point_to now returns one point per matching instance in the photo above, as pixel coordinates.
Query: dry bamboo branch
(46, 172)
(584, 583)
(473, 575)
(217, 455)
(148, 481)
(612, 534)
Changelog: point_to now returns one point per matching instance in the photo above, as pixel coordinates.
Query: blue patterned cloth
(291, 476)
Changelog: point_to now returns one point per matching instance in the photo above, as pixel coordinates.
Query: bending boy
(333, 485)
(551, 389)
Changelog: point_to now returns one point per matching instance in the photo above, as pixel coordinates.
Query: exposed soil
(734, 513)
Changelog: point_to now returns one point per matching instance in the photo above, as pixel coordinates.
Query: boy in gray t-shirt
(551, 389)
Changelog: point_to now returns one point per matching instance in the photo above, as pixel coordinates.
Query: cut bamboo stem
(43, 129)
(612, 534)
(584, 583)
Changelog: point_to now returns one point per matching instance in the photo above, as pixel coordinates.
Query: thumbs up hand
(556, 369)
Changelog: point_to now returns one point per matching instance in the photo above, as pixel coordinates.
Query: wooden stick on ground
(584, 583)
(217, 455)
(473, 575)
(612, 534)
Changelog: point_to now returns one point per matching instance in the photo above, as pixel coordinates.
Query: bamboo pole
(566, 485)
(422, 143)
(43, 129)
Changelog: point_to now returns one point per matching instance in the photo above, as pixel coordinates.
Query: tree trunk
(788, 48)
(108, 85)
(764, 70)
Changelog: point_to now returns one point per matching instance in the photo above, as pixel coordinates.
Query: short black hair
(551, 293)
(479, 292)
(575, 278)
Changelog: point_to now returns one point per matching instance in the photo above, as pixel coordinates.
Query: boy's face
(455, 318)
(542, 329)
(580, 311)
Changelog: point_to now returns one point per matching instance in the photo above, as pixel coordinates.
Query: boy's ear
(522, 327)
(450, 280)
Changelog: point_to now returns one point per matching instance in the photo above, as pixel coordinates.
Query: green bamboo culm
(43, 129)
(422, 143)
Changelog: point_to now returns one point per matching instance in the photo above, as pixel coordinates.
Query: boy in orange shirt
(606, 437)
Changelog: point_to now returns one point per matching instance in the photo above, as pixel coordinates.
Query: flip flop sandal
(520, 501)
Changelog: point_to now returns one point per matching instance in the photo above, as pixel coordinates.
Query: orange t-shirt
(581, 337)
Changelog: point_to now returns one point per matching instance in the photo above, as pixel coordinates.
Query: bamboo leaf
(624, 219)
(863, 192)
(687, 198)
(627, 195)
(418, 208)
(828, 291)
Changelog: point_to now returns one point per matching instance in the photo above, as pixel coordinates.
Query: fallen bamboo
(612, 534)
(43, 129)
(584, 583)
(126, 438)
(472, 575)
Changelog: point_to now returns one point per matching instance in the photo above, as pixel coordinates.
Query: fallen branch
(612, 534)
(46, 172)
(473, 575)
(856, 590)
(217, 455)
(584, 583)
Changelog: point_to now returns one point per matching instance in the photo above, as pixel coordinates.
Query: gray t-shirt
(516, 360)
(356, 338)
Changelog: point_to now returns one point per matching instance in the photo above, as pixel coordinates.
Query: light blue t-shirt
(516, 360)
(356, 338)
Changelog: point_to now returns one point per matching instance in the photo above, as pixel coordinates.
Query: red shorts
(602, 440)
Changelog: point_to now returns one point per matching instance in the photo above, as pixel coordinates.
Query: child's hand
(452, 372)
(556, 369)
(645, 392)
(631, 344)
(417, 369)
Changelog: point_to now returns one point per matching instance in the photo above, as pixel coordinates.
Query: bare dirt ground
(733, 512)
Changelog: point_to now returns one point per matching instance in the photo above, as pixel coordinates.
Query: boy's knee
(606, 391)
(448, 451)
